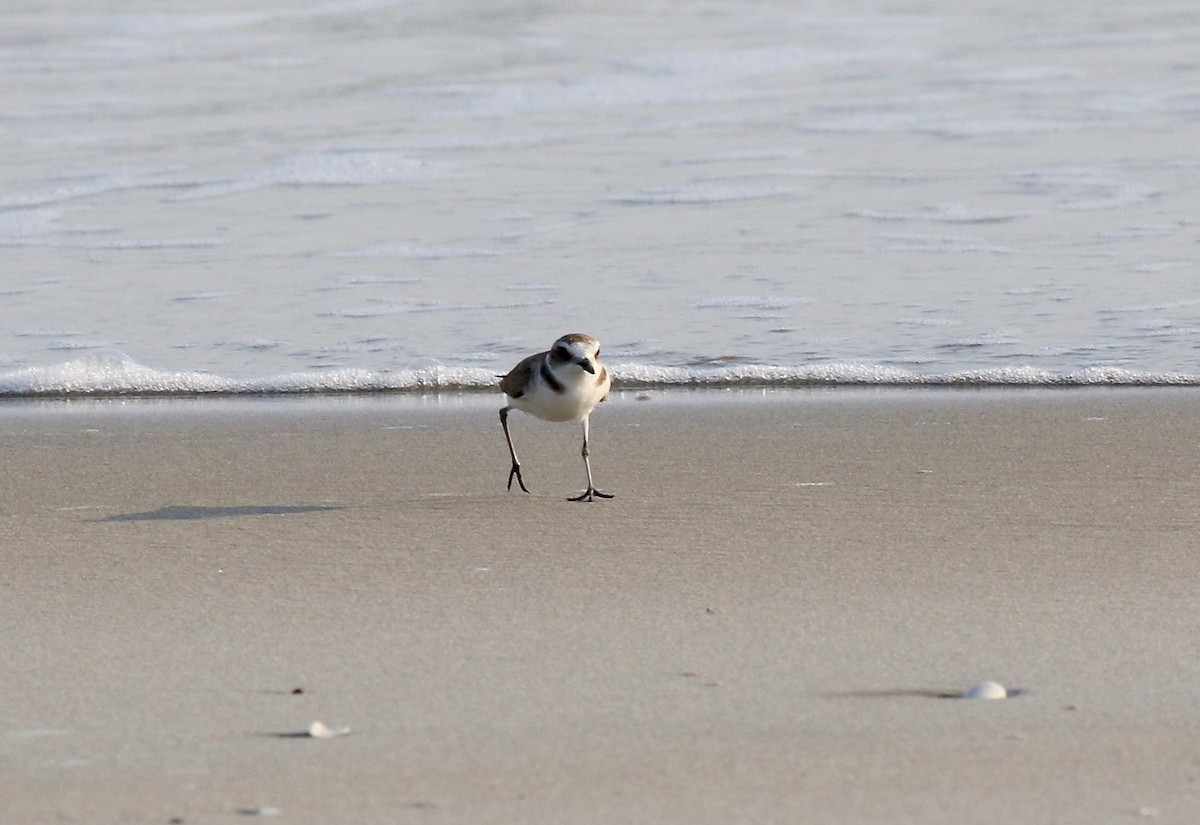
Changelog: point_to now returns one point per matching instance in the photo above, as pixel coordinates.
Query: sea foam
(112, 373)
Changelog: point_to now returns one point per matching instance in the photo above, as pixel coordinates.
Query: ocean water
(292, 196)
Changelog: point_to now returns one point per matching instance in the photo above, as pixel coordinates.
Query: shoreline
(752, 385)
(626, 392)
(104, 374)
(753, 630)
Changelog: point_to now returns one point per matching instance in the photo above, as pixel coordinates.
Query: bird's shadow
(908, 693)
(299, 734)
(188, 512)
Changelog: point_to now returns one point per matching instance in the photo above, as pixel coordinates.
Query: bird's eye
(597, 352)
(561, 352)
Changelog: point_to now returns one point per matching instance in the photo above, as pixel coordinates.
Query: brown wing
(517, 380)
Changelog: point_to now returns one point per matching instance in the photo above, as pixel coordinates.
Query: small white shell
(986, 690)
(318, 730)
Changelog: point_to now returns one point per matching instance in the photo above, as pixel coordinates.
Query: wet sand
(757, 629)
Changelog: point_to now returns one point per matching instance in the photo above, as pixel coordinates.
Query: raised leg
(515, 472)
(591, 493)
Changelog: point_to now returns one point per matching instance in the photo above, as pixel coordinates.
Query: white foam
(417, 252)
(98, 182)
(908, 123)
(929, 322)
(252, 344)
(204, 296)
(698, 193)
(154, 243)
(156, 26)
(668, 78)
(908, 242)
(532, 288)
(109, 372)
(734, 156)
(355, 281)
(1151, 307)
(68, 344)
(327, 167)
(1167, 332)
(1136, 232)
(376, 309)
(1116, 196)
(21, 224)
(953, 213)
(751, 302)
(1160, 266)
(850, 374)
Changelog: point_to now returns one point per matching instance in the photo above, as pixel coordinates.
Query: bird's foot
(515, 472)
(590, 494)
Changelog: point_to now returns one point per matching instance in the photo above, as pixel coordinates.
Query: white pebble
(986, 690)
(318, 730)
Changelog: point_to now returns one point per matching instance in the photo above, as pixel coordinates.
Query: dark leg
(515, 472)
(591, 493)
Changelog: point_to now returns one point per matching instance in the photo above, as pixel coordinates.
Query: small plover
(565, 383)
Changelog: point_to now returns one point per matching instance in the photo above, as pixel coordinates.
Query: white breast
(580, 395)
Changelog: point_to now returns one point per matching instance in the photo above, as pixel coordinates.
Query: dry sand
(755, 630)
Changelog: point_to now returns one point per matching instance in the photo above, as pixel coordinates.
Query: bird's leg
(515, 472)
(591, 493)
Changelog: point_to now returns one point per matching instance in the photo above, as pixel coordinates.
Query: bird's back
(519, 377)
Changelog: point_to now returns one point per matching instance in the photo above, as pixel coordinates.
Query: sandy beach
(760, 628)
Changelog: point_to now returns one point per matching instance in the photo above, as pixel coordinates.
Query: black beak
(587, 365)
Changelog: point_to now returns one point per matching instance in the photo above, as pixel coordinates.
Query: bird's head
(577, 348)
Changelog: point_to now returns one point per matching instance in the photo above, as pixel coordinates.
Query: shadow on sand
(899, 693)
(184, 512)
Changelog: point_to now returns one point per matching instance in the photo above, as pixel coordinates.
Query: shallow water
(368, 195)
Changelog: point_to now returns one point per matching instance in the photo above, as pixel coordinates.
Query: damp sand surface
(765, 625)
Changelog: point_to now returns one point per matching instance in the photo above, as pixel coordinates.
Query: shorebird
(564, 383)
